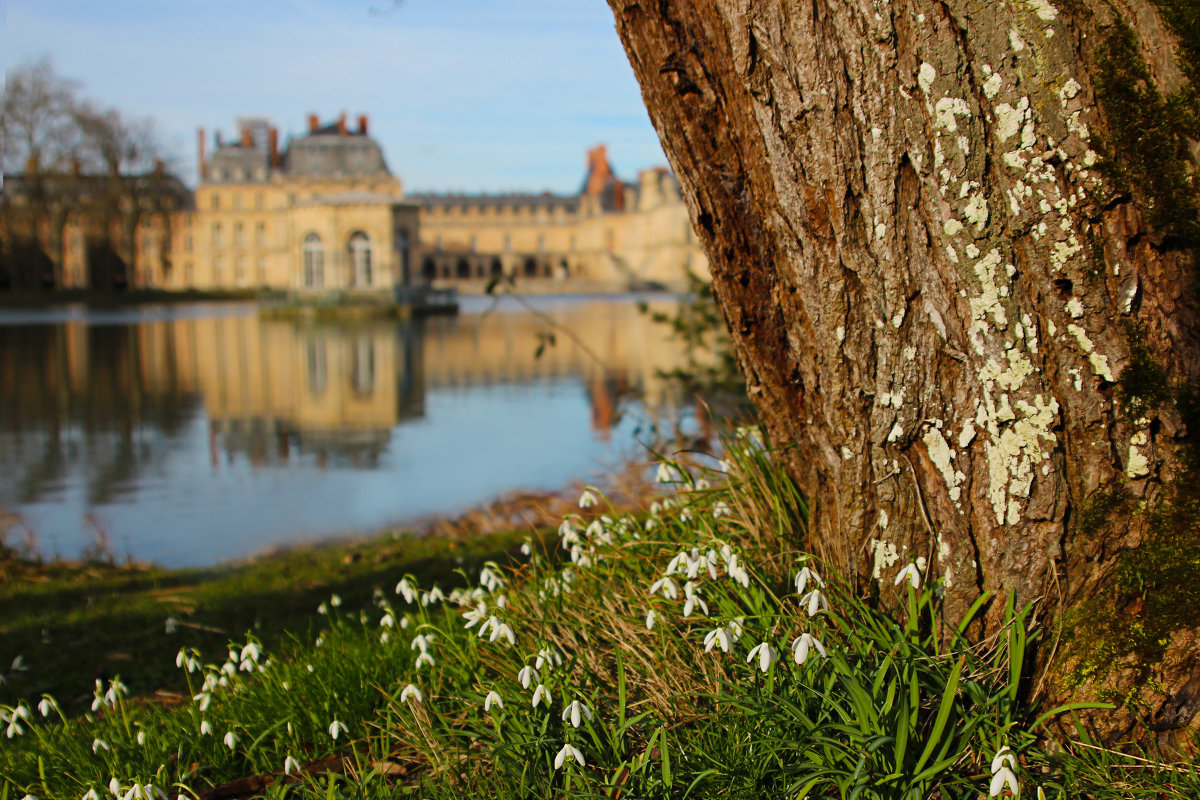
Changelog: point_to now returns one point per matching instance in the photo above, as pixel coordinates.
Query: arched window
(464, 268)
(314, 262)
(429, 268)
(360, 260)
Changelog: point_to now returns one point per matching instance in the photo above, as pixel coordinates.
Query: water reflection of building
(113, 401)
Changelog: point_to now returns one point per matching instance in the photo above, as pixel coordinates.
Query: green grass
(897, 707)
(73, 623)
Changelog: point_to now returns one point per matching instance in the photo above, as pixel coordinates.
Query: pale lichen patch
(1099, 363)
(884, 555)
(925, 77)
(1137, 466)
(943, 457)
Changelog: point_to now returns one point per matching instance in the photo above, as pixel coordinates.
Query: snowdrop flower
(170, 626)
(735, 628)
(92, 794)
(502, 630)
(205, 728)
(540, 693)
(587, 499)
(547, 655)
(421, 641)
(669, 588)
(492, 699)
(141, 738)
(335, 728)
(47, 705)
(251, 652)
(489, 577)
(335, 600)
(98, 745)
(526, 549)
(693, 600)
(114, 787)
(230, 740)
(14, 726)
(911, 574)
(423, 659)
(814, 601)
(434, 595)
(568, 751)
(667, 473)
(766, 655)
(322, 609)
(715, 637)
(406, 589)
(290, 765)
(527, 675)
(721, 509)
(573, 711)
(411, 691)
(801, 646)
(805, 575)
(204, 698)
(1004, 766)
(388, 621)
(651, 618)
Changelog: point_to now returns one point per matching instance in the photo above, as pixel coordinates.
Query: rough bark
(937, 271)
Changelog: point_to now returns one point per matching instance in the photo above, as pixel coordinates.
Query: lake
(190, 435)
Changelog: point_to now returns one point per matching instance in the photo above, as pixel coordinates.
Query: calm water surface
(192, 435)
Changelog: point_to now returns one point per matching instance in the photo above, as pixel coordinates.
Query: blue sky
(474, 95)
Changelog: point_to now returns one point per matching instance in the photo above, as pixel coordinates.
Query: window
(258, 202)
(239, 238)
(216, 236)
(260, 269)
(541, 242)
(474, 243)
(260, 234)
(360, 260)
(508, 242)
(237, 202)
(218, 268)
(187, 243)
(314, 262)
(216, 202)
(239, 270)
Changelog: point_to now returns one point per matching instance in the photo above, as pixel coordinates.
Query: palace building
(323, 213)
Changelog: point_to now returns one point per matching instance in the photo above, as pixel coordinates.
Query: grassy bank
(693, 649)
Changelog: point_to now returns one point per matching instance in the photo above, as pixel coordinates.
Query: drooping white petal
(910, 574)
(1004, 776)
(492, 699)
(411, 691)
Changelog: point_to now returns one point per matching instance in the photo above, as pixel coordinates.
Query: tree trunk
(954, 244)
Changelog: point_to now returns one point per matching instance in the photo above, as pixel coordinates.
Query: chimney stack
(313, 123)
(362, 124)
(217, 136)
(31, 167)
(342, 124)
(273, 146)
(201, 165)
(247, 138)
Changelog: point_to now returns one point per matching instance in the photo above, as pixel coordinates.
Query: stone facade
(324, 213)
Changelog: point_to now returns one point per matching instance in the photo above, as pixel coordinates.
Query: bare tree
(955, 245)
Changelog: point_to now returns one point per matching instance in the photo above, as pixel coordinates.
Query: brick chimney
(201, 155)
(273, 146)
(31, 167)
(314, 122)
(342, 124)
(362, 124)
(247, 138)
